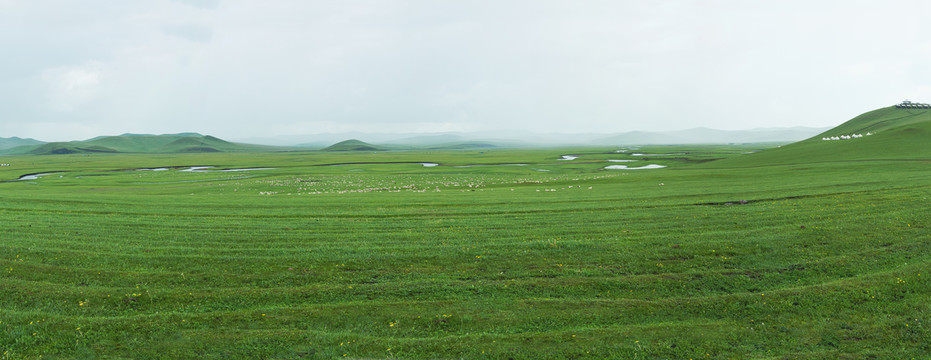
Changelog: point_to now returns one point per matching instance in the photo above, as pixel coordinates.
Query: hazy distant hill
(431, 139)
(12, 142)
(139, 143)
(531, 139)
(710, 136)
(194, 142)
(352, 145)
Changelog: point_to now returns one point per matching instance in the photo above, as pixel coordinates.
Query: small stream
(34, 176)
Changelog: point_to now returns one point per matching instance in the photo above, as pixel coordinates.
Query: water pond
(625, 167)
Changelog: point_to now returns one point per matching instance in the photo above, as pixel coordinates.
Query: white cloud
(54, 130)
(192, 32)
(205, 4)
(246, 68)
(70, 87)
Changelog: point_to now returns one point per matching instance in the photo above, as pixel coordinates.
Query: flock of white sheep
(845, 137)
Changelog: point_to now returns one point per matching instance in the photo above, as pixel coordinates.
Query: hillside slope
(887, 134)
(60, 148)
(135, 143)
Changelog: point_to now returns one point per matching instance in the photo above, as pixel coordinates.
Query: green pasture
(520, 255)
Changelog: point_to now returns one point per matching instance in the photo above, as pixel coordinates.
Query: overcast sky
(242, 68)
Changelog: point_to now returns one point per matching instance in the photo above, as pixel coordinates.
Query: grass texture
(496, 254)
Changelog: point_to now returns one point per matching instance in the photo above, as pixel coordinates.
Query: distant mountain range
(712, 136)
(520, 138)
(890, 132)
(194, 142)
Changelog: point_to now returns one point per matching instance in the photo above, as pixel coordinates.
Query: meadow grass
(373, 255)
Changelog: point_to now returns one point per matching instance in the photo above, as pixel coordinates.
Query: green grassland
(815, 250)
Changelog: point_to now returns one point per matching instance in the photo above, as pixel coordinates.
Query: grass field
(373, 255)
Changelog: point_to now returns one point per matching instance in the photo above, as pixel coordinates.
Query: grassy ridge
(133, 143)
(383, 257)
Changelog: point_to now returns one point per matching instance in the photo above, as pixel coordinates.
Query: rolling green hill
(140, 143)
(887, 134)
(358, 145)
(12, 142)
(352, 145)
(60, 148)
